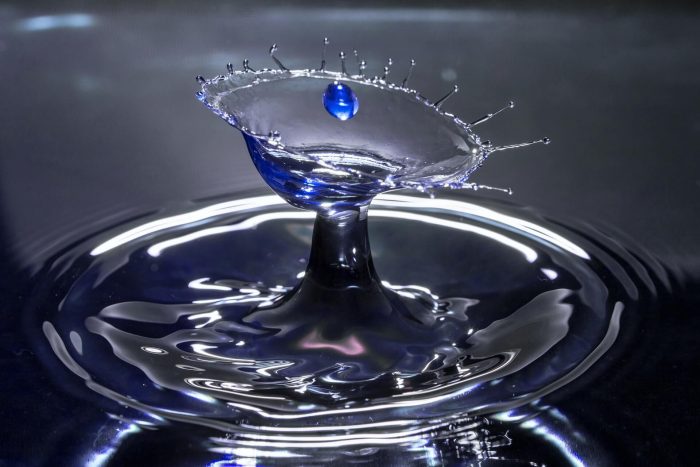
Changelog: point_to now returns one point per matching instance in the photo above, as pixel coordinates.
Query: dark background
(98, 123)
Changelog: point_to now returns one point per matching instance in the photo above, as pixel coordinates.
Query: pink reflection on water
(348, 346)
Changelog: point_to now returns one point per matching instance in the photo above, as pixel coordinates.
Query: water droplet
(340, 101)
(442, 100)
(246, 66)
(363, 66)
(342, 63)
(274, 49)
(323, 53)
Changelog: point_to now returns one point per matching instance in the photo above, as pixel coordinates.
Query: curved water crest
(365, 136)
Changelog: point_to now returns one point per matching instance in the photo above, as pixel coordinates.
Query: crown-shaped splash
(325, 138)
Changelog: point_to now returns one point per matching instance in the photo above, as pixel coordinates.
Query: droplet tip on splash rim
(346, 107)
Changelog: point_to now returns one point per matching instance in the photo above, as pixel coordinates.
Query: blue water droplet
(340, 101)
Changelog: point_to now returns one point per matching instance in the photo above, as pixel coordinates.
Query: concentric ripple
(155, 316)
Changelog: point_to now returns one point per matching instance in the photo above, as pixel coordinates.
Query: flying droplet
(340, 101)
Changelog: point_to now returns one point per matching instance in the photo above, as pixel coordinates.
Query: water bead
(340, 101)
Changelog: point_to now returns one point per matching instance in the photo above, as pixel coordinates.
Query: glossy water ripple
(160, 316)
